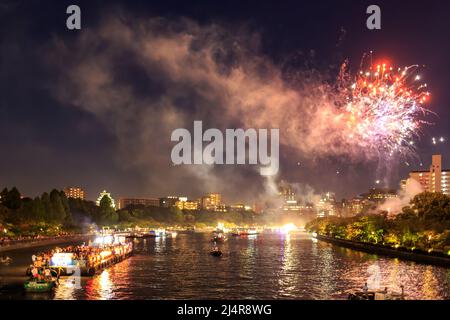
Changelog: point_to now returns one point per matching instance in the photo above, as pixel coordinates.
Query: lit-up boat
(88, 260)
(36, 285)
(245, 232)
(218, 237)
(157, 233)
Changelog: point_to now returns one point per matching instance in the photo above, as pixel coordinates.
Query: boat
(216, 253)
(157, 233)
(377, 295)
(39, 285)
(218, 237)
(172, 234)
(245, 232)
(88, 260)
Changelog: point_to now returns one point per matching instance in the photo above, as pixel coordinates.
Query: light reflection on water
(269, 266)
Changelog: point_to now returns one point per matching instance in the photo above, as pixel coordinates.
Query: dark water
(269, 266)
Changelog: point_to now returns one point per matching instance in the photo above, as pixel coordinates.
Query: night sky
(89, 108)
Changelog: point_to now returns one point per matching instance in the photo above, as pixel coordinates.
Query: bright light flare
(382, 107)
(288, 228)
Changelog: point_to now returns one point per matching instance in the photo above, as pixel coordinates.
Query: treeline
(50, 207)
(53, 209)
(423, 225)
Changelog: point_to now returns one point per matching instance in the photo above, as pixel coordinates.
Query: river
(267, 266)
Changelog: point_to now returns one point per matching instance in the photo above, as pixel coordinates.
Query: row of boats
(220, 237)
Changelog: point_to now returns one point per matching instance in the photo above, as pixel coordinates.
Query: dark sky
(56, 130)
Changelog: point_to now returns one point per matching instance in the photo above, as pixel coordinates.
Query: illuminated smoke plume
(145, 78)
(394, 206)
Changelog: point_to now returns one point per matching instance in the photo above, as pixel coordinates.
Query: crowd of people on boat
(90, 255)
(43, 273)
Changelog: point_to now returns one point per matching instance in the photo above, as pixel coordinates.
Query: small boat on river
(376, 295)
(215, 252)
(245, 232)
(40, 285)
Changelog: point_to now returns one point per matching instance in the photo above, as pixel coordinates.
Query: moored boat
(216, 253)
(39, 285)
(376, 295)
(245, 232)
(84, 260)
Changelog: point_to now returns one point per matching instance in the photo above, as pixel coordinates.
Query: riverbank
(387, 251)
(42, 242)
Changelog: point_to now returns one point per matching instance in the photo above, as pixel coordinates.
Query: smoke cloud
(395, 205)
(144, 78)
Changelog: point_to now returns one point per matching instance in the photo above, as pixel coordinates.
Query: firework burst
(382, 107)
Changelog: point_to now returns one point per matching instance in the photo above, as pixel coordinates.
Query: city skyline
(56, 141)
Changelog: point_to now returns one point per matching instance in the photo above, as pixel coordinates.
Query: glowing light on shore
(288, 228)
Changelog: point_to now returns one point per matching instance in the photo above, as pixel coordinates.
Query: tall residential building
(148, 202)
(212, 201)
(289, 201)
(326, 206)
(435, 179)
(75, 192)
(102, 194)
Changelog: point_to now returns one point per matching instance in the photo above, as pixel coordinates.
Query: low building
(184, 204)
(326, 206)
(75, 192)
(148, 202)
(379, 195)
(212, 201)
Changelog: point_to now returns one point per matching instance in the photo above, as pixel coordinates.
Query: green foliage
(423, 224)
(55, 209)
(11, 198)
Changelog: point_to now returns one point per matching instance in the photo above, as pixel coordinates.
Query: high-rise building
(290, 203)
(104, 193)
(75, 192)
(326, 206)
(148, 202)
(435, 179)
(212, 201)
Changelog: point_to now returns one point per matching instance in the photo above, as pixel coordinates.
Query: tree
(4, 213)
(65, 203)
(47, 206)
(38, 211)
(431, 205)
(107, 212)
(12, 199)
(58, 212)
(3, 196)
